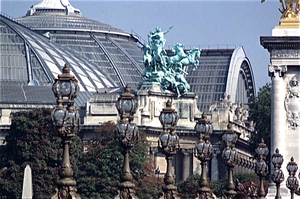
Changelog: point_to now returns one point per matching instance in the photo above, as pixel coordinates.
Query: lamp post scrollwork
(169, 145)
(127, 135)
(204, 152)
(67, 123)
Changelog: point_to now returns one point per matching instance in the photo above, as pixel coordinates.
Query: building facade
(104, 59)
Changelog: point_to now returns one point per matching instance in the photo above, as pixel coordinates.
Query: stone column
(278, 115)
(186, 163)
(214, 168)
(153, 153)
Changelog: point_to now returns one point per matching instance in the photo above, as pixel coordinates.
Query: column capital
(277, 71)
(153, 150)
(186, 151)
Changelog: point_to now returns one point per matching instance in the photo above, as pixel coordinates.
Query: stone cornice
(284, 42)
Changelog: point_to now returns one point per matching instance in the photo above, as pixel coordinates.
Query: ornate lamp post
(204, 152)
(66, 121)
(169, 145)
(127, 134)
(292, 182)
(277, 176)
(261, 168)
(230, 158)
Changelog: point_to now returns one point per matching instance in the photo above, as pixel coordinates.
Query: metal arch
(93, 70)
(96, 74)
(126, 54)
(26, 43)
(45, 49)
(251, 76)
(28, 62)
(73, 70)
(119, 74)
(237, 58)
(244, 79)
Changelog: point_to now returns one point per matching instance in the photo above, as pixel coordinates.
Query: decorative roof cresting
(49, 6)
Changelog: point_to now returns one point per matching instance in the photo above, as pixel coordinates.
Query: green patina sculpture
(168, 71)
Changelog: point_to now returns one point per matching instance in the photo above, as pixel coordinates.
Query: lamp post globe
(262, 150)
(230, 137)
(168, 117)
(127, 104)
(203, 127)
(66, 86)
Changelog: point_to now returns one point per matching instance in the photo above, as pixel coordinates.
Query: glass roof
(36, 58)
(67, 22)
(209, 80)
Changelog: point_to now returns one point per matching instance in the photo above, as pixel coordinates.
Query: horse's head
(196, 52)
(178, 47)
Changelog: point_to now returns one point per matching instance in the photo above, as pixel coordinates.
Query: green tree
(220, 186)
(260, 114)
(148, 185)
(31, 141)
(189, 188)
(99, 172)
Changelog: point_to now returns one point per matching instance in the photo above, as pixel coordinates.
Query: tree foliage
(103, 163)
(148, 185)
(220, 186)
(189, 188)
(260, 114)
(31, 141)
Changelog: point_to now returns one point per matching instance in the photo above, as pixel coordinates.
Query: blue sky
(196, 23)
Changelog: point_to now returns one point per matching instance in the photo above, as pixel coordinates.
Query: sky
(197, 23)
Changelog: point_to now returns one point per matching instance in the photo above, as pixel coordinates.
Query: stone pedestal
(152, 99)
(284, 70)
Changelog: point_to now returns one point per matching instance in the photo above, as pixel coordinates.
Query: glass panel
(53, 67)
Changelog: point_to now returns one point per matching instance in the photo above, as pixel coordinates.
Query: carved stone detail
(285, 53)
(186, 151)
(292, 103)
(275, 71)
